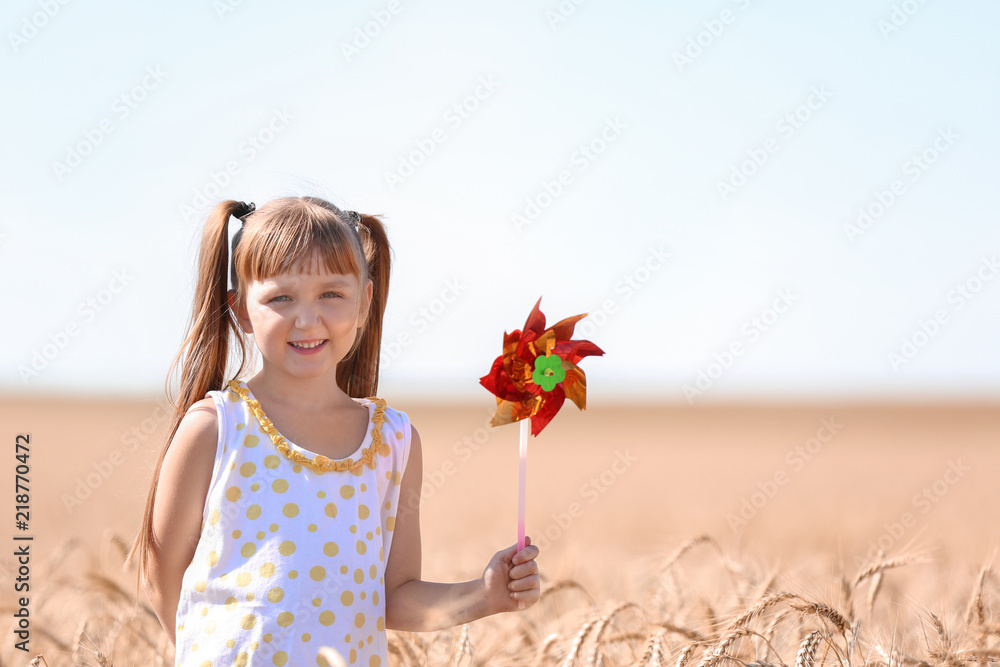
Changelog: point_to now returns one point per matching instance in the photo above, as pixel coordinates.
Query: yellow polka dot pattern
(293, 545)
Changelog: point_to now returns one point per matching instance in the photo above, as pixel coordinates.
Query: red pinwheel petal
(500, 384)
(535, 321)
(523, 349)
(563, 329)
(551, 403)
(575, 350)
(510, 339)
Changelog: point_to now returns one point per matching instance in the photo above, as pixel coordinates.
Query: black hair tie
(355, 220)
(244, 210)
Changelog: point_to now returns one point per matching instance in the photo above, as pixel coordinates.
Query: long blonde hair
(273, 239)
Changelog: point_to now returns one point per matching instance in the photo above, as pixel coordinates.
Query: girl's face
(305, 321)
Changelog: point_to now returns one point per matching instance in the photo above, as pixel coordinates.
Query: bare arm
(178, 508)
(416, 605)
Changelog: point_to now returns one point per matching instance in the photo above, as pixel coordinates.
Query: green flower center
(548, 372)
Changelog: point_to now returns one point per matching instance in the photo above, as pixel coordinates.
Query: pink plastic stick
(523, 483)
(522, 488)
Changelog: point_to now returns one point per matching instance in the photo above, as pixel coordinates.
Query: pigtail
(357, 374)
(205, 353)
(206, 348)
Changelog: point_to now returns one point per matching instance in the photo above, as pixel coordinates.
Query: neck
(320, 392)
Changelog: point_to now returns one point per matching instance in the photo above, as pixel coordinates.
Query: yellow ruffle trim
(320, 463)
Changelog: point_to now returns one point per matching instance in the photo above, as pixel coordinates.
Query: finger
(526, 554)
(526, 584)
(523, 570)
(526, 598)
(508, 553)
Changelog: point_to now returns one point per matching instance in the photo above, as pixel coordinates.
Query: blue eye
(332, 294)
(282, 296)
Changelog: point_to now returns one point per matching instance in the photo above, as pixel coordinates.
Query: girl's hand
(511, 579)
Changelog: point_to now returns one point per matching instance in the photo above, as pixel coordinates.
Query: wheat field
(689, 537)
(748, 616)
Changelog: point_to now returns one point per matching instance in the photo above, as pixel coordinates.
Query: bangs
(290, 235)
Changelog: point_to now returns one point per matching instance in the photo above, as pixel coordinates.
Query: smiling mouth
(307, 345)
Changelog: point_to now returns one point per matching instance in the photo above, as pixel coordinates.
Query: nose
(307, 316)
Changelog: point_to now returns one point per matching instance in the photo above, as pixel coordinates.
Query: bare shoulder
(191, 453)
(198, 431)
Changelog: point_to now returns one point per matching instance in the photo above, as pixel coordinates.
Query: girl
(283, 514)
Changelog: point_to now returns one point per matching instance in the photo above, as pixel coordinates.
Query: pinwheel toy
(532, 379)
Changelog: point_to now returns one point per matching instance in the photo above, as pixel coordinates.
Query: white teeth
(308, 346)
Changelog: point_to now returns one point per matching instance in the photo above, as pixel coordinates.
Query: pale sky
(691, 174)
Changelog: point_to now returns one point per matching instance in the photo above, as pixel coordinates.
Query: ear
(369, 290)
(239, 310)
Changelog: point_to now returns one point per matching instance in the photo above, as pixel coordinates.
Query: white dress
(292, 550)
